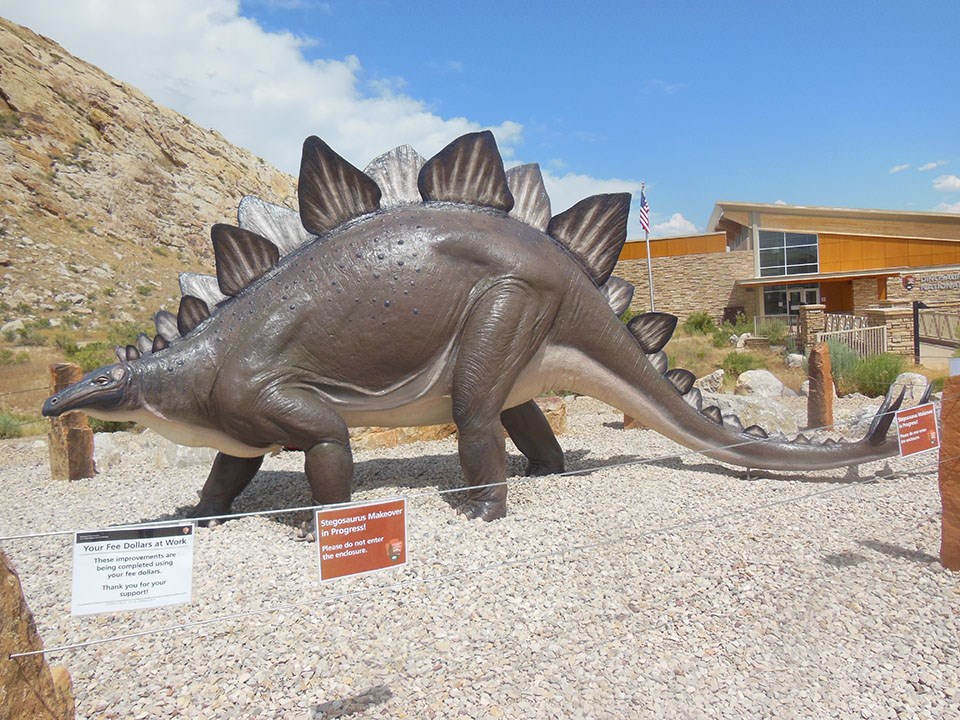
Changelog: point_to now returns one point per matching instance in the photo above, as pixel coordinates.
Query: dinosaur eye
(101, 380)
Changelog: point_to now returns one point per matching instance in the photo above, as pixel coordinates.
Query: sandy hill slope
(104, 194)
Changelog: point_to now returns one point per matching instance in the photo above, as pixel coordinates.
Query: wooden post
(820, 395)
(70, 437)
(950, 473)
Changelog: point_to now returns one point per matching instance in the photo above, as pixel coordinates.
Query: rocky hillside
(104, 195)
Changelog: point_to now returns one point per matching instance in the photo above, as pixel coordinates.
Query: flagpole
(645, 221)
(646, 237)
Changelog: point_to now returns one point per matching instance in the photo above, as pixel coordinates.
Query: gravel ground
(672, 589)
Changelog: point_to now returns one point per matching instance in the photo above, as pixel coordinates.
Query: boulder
(710, 383)
(914, 384)
(794, 360)
(762, 383)
(768, 413)
(29, 688)
(11, 327)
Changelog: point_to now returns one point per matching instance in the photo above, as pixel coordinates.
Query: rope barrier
(443, 577)
(508, 482)
(28, 390)
(712, 519)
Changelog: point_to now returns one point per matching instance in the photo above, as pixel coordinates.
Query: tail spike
(883, 418)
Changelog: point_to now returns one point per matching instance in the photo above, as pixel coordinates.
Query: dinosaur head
(104, 391)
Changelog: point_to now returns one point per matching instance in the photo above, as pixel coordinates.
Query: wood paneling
(850, 253)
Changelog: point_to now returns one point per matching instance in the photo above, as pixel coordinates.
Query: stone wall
(899, 322)
(864, 294)
(691, 283)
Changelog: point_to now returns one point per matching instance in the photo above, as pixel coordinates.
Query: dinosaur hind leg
(500, 337)
(533, 436)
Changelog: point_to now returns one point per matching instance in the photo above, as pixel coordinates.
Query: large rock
(769, 414)
(794, 360)
(761, 383)
(29, 688)
(710, 383)
(914, 385)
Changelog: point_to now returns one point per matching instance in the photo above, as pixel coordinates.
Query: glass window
(787, 253)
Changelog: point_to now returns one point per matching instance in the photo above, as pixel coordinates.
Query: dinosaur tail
(635, 380)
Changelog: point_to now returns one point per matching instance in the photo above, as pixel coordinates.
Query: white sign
(132, 569)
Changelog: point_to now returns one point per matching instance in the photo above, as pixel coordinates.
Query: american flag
(644, 211)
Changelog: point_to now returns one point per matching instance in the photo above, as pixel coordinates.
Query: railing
(843, 321)
(939, 327)
(791, 321)
(866, 341)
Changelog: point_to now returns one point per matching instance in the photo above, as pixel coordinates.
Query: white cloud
(948, 208)
(947, 183)
(222, 70)
(676, 225)
(931, 165)
(569, 189)
(899, 168)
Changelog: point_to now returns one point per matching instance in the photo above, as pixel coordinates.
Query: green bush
(9, 357)
(739, 362)
(775, 330)
(699, 323)
(90, 356)
(843, 362)
(872, 376)
(9, 426)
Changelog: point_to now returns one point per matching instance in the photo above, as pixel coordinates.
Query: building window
(787, 253)
(785, 300)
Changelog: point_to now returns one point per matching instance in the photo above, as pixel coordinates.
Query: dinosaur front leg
(531, 433)
(227, 479)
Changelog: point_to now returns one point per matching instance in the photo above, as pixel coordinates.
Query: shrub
(775, 330)
(699, 323)
(739, 362)
(90, 356)
(8, 357)
(872, 376)
(843, 361)
(9, 426)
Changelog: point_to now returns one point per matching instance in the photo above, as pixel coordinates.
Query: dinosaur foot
(539, 469)
(486, 510)
(205, 511)
(306, 531)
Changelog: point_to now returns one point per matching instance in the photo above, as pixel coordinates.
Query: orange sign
(361, 538)
(917, 430)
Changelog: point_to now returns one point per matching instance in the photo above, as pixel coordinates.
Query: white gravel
(674, 589)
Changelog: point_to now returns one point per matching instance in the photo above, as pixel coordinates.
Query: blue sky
(849, 104)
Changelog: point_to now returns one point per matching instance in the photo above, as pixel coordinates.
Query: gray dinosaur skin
(413, 315)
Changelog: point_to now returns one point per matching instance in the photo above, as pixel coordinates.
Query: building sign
(917, 429)
(361, 538)
(929, 282)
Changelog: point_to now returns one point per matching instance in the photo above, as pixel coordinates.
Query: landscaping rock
(29, 688)
(915, 385)
(762, 383)
(794, 360)
(710, 383)
(769, 414)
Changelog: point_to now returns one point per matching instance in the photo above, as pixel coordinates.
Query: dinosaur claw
(305, 532)
(485, 510)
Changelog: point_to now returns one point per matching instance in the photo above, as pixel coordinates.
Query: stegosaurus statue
(409, 294)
